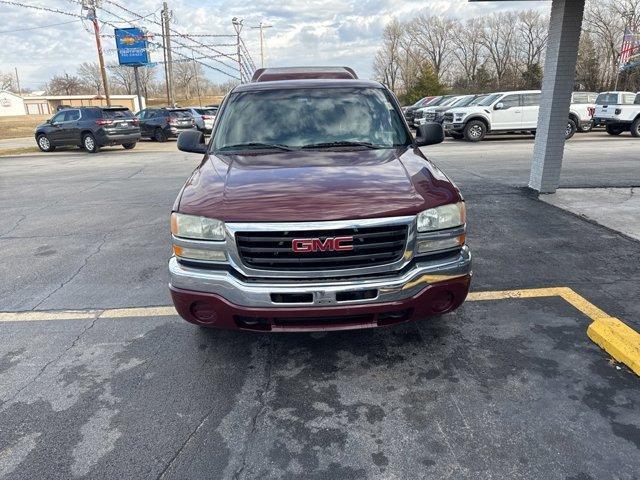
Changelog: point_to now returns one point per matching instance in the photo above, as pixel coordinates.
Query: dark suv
(159, 124)
(89, 128)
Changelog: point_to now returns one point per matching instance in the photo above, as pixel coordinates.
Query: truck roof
(303, 73)
(312, 83)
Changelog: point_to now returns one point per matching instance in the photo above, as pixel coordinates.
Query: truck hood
(315, 186)
(469, 110)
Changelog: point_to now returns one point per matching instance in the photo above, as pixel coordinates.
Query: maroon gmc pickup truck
(314, 209)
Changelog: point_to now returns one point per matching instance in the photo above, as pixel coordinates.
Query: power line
(40, 7)
(179, 34)
(41, 26)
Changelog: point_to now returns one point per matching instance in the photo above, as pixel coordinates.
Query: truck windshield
(488, 100)
(304, 118)
(607, 99)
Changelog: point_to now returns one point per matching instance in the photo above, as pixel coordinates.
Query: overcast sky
(303, 32)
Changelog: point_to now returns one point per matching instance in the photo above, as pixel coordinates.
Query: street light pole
(262, 26)
(237, 25)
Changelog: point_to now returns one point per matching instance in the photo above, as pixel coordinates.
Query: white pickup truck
(510, 112)
(619, 112)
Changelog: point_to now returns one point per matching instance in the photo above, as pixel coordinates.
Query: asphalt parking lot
(508, 386)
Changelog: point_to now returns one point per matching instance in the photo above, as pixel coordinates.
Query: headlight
(198, 228)
(459, 115)
(440, 218)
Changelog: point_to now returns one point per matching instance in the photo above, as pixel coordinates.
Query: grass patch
(20, 125)
(4, 152)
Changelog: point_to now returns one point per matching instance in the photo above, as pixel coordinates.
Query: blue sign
(132, 47)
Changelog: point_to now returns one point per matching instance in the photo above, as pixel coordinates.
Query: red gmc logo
(329, 244)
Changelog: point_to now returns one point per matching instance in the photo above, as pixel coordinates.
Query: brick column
(559, 73)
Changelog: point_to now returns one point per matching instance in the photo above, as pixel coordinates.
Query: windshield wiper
(343, 144)
(256, 145)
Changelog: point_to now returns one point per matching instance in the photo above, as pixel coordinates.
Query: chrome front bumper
(390, 287)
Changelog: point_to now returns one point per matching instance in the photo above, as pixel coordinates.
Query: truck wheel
(89, 143)
(474, 131)
(613, 129)
(129, 146)
(159, 135)
(586, 128)
(44, 143)
(570, 130)
(635, 127)
(456, 135)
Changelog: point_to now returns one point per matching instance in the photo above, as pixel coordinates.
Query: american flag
(629, 45)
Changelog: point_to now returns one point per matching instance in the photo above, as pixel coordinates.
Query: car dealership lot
(504, 387)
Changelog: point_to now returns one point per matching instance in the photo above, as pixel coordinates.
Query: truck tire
(44, 143)
(159, 135)
(474, 131)
(635, 127)
(613, 129)
(129, 146)
(586, 128)
(89, 143)
(570, 130)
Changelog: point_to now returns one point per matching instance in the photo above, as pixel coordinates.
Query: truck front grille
(372, 246)
(448, 117)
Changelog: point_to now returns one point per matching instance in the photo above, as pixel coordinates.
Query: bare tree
(467, 50)
(185, 75)
(533, 32)
(7, 81)
(432, 35)
(386, 65)
(122, 78)
(498, 37)
(65, 84)
(89, 73)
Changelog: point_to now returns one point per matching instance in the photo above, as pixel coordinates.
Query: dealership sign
(132, 47)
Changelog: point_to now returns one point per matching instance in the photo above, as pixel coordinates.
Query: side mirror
(429, 134)
(192, 141)
(48, 120)
(499, 106)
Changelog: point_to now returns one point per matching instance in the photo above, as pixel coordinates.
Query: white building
(11, 104)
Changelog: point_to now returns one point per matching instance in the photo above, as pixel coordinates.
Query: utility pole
(137, 77)
(166, 64)
(237, 25)
(92, 15)
(262, 26)
(18, 82)
(166, 17)
(195, 72)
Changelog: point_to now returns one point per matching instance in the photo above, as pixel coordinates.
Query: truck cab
(314, 208)
(619, 112)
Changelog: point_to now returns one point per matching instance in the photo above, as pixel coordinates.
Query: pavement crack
(262, 406)
(15, 226)
(184, 444)
(50, 362)
(77, 272)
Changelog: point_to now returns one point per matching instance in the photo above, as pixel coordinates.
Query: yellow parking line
(614, 336)
(611, 334)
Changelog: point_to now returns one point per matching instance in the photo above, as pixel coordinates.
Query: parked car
(204, 117)
(160, 124)
(619, 112)
(582, 109)
(409, 111)
(320, 224)
(501, 112)
(89, 128)
(436, 114)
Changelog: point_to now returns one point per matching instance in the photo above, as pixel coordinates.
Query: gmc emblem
(329, 244)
